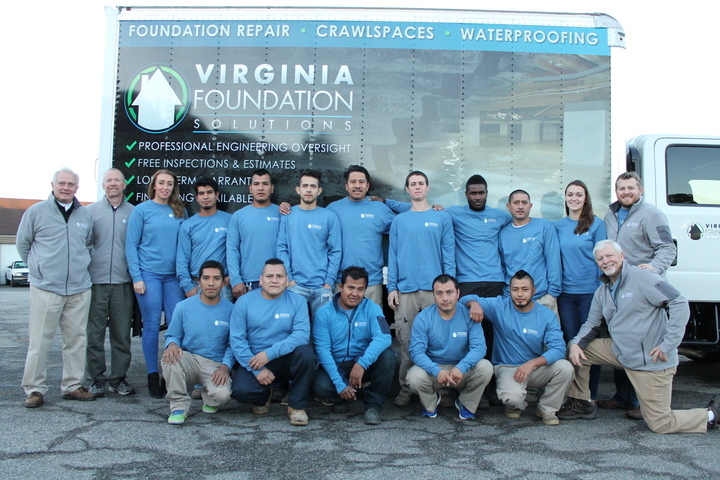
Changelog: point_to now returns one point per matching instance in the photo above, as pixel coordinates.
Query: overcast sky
(666, 81)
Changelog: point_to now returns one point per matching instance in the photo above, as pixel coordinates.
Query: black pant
(297, 367)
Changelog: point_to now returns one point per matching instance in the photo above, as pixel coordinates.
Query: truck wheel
(7, 282)
(14, 283)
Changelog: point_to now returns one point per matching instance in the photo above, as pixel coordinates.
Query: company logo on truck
(695, 231)
(156, 99)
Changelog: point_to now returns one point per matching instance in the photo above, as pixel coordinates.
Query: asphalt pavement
(129, 438)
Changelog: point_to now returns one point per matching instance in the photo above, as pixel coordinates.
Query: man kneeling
(447, 348)
(528, 349)
(197, 347)
(352, 342)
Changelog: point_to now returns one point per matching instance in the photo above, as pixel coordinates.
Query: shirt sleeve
(323, 347)
(419, 345)
(232, 244)
(334, 248)
(299, 335)
(551, 248)
(132, 244)
(182, 259)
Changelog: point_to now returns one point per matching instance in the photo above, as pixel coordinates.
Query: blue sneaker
(432, 414)
(463, 412)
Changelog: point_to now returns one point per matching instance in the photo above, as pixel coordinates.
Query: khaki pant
(555, 378)
(47, 311)
(471, 387)
(654, 392)
(550, 302)
(195, 370)
(409, 305)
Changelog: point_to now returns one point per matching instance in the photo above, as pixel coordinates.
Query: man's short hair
(206, 182)
(212, 264)
(515, 192)
(356, 168)
(356, 273)
(604, 243)
(66, 170)
(308, 172)
(522, 275)
(475, 180)
(416, 172)
(261, 172)
(274, 261)
(109, 170)
(445, 278)
(628, 176)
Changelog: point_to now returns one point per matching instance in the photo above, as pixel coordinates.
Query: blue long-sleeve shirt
(477, 253)
(340, 336)
(533, 248)
(200, 239)
(519, 337)
(579, 270)
(151, 241)
(422, 246)
(435, 341)
(276, 326)
(310, 244)
(362, 225)
(202, 329)
(251, 240)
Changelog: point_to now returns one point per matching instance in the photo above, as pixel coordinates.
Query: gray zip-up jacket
(108, 264)
(644, 235)
(57, 253)
(645, 311)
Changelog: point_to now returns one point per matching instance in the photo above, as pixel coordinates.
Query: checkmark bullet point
(128, 196)
(127, 182)
(130, 163)
(131, 146)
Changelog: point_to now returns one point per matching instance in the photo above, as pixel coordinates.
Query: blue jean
(379, 374)
(574, 309)
(162, 293)
(316, 297)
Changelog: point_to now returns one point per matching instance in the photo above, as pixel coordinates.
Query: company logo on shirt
(313, 226)
(124, 220)
(431, 224)
(82, 225)
(282, 315)
(361, 324)
(367, 215)
(459, 334)
(220, 322)
(171, 215)
(627, 295)
(220, 229)
(530, 331)
(631, 224)
(489, 220)
(529, 239)
(273, 219)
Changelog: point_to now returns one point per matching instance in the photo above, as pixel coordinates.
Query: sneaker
(513, 412)
(372, 417)
(547, 419)
(98, 388)
(154, 385)
(327, 403)
(197, 393)
(177, 417)
(341, 407)
(432, 414)
(284, 401)
(403, 400)
(575, 408)
(263, 409)
(297, 417)
(713, 406)
(80, 393)
(209, 409)
(634, 414)
(463, 412)
(34, 400)
(121, 387)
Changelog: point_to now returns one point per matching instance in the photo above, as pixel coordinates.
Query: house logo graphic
(156, 99)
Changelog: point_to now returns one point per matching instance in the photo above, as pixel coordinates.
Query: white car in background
(16, 274)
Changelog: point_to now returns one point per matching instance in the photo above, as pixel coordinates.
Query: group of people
(476, 292)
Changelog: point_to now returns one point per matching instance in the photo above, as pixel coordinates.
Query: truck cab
(681, 177)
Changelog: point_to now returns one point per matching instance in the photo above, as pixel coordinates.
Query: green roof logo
(156, 99)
